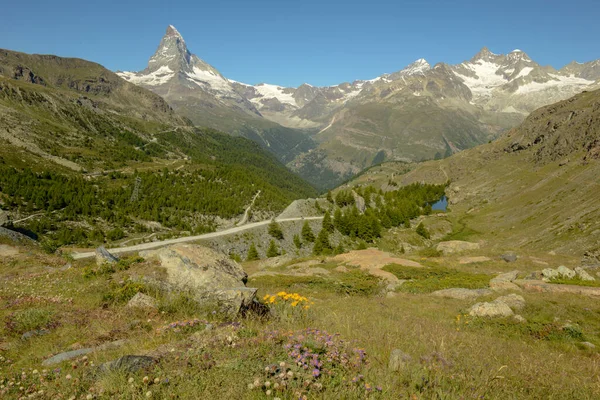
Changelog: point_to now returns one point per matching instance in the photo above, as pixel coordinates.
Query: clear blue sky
(321, 42)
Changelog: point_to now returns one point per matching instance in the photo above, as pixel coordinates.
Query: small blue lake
(440, 205)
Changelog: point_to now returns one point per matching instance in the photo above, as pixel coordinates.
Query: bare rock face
(4, 218)
(359, 201)
(211, 277)
(514, 301)
(456, 246)
(505, 281)
(142, 301)
(103, 256)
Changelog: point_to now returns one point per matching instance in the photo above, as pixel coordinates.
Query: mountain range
(327, 134)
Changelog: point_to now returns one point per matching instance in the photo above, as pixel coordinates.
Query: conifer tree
(272, 251)
(275, 230)
(421, 230)
(327, 224)
(307, 233)
(252, 253)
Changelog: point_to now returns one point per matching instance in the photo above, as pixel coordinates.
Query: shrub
(28, 320)
(275, 230)
(422, 231)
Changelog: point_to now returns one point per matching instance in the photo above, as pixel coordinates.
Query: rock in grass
(69, 355)
(142, 301)
(212, 278)
(583, 274)
(37, 332)
(588, 345)
(509, 257)
(566, 272)
(129, 363)
(398, 360)
(492, 310)
(505, 281)
(103, 256)
(514, 301)
(461, 293)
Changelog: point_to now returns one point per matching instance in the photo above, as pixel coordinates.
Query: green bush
(121, 293)
(427, 280)
(28, 320)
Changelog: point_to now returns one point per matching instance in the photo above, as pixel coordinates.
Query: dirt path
(372, 260)
(245, 217)
(155, 245)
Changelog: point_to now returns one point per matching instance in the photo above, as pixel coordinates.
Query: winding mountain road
(211, 235)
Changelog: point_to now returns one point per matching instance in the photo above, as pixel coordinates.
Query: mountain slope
(199, 92)
(535, 187)
(61, 117)
(417, 113)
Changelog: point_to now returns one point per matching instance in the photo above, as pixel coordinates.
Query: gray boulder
(103, 257)
(505, 281)
(211, 277)
(398, 360)
(509, 257)
(68, 355)
(461, 293)
(566, 272)
(142, 301)
(548, 274)
(129, 363)
(492, 310)
(456, 246)
(583, 274)
(514, 301)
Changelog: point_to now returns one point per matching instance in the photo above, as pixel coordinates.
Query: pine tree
(421, 230)
(339, 249)
(272, 251)
(329, 197)
(307, 233)
(322, 245)
(252, 253)
(297, 242)
(275, 230)
(327, 224)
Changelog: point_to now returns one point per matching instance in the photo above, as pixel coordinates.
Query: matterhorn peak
(172, 31)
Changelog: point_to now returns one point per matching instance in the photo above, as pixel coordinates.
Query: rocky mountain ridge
(327, 134)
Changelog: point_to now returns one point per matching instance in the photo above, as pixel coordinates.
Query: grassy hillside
(535, 187)
(76, 137)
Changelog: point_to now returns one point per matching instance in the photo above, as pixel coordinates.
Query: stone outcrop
(456, 246)
(210, 277)
(4, 218)
(103, 256)
(142, 301)
(505, 281)
(501, 307)
(461, 293)
(492, 310)
(562, 272)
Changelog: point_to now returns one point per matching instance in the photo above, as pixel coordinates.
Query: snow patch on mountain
(485, 80)
(557, 82)
(159, 77)
(208, 78)
(268, 91)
